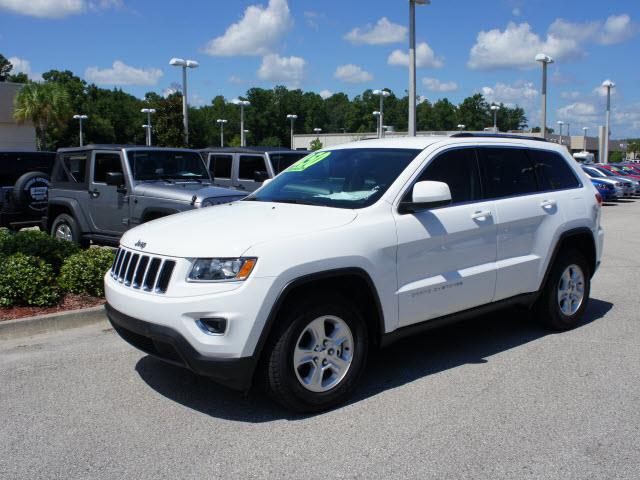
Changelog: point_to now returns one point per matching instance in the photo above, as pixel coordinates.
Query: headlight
(221, 269)
(208, 202)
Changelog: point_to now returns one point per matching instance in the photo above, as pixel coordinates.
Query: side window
(553, 171)
(282, 161)
(506, 172)
(249, 165)
(220, 166)
(458, 169)
(75, 167)
(104, 163)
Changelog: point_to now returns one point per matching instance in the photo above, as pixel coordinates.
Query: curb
(26, 327)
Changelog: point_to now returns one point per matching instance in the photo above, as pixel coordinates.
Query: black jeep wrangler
(24, 187)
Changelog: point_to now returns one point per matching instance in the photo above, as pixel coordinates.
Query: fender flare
(74, 207)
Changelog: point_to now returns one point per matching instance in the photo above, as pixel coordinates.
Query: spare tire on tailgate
(31, 191)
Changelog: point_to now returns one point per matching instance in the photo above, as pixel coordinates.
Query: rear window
(15, 164)
(220, 166)
(72, 168)
(553, 171)
(506, 172)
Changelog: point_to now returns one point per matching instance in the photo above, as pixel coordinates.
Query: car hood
(184, 191)
(230, 230)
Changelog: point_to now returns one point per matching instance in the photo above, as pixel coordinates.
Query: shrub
(5, 237)
(27, 280)
(39, 244)
(84, 271)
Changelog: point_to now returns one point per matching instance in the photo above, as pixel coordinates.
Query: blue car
(606, 190)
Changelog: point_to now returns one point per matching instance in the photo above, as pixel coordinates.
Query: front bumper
(169, 345)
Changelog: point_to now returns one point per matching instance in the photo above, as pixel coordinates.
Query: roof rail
(498, 135)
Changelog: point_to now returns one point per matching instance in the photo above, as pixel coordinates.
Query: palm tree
(43, 104)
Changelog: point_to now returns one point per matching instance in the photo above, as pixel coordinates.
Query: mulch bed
(69, 302)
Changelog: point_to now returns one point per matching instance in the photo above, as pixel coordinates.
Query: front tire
(566, 293)
(65, 228)
(317, 354)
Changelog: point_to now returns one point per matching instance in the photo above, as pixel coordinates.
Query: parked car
(246, 168)
(605, 189)
(100, 191)
(24, 187)
(616, 173)
(621, 171)
(352, 248)
(625, 184)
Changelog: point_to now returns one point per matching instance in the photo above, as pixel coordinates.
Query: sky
(328, 46)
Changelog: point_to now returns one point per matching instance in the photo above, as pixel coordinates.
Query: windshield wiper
(296, 202)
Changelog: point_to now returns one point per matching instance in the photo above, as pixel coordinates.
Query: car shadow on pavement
(469, 342)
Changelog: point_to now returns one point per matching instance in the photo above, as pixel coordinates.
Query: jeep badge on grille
(140, 244)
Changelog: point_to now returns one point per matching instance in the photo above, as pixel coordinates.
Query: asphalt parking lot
(495, 397)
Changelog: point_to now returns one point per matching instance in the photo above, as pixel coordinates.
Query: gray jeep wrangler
(100, 191)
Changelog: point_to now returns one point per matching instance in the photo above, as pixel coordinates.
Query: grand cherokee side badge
(140, 244)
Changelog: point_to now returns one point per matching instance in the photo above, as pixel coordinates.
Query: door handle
(481, 215)
(548, 204)
(95, 193)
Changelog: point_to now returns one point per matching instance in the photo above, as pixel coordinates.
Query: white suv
(352, 248)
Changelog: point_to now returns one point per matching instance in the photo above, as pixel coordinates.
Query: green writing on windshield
(307, 161)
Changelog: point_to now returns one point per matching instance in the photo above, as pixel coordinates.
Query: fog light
(212, 326)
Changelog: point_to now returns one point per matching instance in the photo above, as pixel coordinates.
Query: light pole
(147, 127)
(376, 114)
(179, 62)
(560, 125)
(608, 84)
(585, 130)
(292, 119)
(412, 63)
(545, 60)
(242, 103)
(382, 94)
(494, 109)
(221, 122)
(461, 127)
(81, 118)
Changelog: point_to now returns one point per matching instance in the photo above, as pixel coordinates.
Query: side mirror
(115, 179)
(427, 195)
(260, 176)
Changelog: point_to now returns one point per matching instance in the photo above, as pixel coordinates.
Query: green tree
(315, 145)
(44, 104)
(474, 113)
(5, 68)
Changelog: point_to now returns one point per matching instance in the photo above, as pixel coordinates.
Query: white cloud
(171, 89)
(20, 65)
(325, 93)
(122, 74)
(314, 19)
(579, 112)
(601, 91)
(256, 33)
(351, 73)
(516, 12)
(382, 33)
(287, 70)
(517, 45)
(435, 85)
(425, 57)
(617, 29)
(520, 93)
(56, 8)
(236, 80)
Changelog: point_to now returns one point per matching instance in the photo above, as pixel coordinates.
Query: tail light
(599, 199)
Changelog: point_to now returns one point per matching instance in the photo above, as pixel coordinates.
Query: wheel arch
(581, 239)
(70, 207)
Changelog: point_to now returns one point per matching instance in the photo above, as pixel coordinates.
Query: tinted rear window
(506, 172)
(553, 171)
(220, 166)
(249, 165)
(15, 164)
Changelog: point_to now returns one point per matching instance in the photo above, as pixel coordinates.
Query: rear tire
(65, 228)
(566, 293)
(317, 353)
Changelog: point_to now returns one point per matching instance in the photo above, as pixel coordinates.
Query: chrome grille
(136, 270)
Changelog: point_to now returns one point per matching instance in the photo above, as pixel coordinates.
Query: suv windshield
(166, 165)
(349, 178)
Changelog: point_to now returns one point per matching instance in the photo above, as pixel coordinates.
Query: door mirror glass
(427, 194)
(115, 179)
(260, 176)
